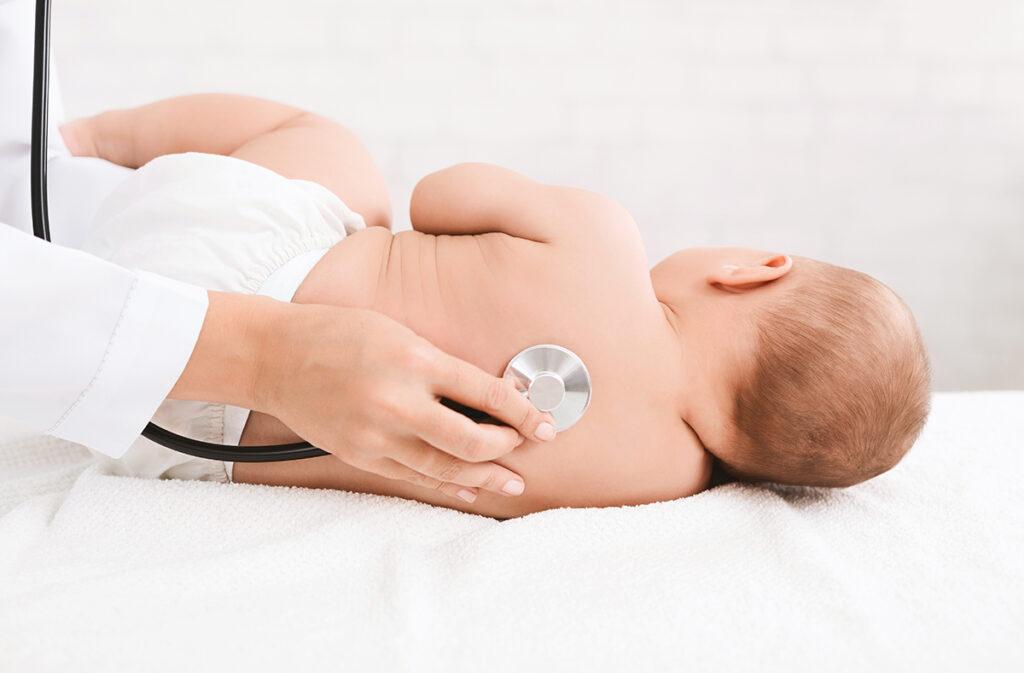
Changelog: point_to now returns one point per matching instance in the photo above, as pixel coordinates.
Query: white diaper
(223, 224)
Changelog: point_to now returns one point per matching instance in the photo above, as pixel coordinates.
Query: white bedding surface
(921, 569)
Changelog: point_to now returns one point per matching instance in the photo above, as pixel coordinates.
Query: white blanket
(918, 570)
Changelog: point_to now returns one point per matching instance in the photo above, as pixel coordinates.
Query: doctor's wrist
(232, 350)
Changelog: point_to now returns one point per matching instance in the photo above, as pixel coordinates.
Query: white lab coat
(88, 350)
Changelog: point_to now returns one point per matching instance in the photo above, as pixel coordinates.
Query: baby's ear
(753, 274)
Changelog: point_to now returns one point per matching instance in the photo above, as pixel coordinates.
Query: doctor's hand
(363, 387)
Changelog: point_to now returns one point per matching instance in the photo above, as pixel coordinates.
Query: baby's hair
(840, 388)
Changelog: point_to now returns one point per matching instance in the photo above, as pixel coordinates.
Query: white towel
(918, 570)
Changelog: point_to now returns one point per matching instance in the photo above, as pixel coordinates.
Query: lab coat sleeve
(88, 349)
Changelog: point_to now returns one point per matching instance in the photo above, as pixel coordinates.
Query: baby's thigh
(316, 149)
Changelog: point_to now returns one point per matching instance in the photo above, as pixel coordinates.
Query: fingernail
(513, 487)
(545, 431)
(468, 496)
(520, 439)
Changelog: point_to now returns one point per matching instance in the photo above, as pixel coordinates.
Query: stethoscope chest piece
(554, 379)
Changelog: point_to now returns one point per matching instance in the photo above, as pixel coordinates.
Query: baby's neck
(704, 393)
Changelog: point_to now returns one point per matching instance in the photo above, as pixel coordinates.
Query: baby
(769, 366)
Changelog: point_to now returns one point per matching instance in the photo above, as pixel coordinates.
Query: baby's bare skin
(497, 263)
(576, 276)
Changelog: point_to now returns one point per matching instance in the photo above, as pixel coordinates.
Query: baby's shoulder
(590, 219)
(590, 236)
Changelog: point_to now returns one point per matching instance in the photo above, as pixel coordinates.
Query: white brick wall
(884, 135)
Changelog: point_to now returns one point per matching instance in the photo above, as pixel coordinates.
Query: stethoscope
(553, 378)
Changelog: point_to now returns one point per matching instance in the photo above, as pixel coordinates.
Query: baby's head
(815, 374)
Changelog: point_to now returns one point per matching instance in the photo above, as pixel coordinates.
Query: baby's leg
(286, 140)
(313, 148)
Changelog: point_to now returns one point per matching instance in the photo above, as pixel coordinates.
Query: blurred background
(882, 135)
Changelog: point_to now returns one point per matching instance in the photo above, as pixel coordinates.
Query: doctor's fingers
(391, 469)
(432, 462)
(460, 381)
(461, 437)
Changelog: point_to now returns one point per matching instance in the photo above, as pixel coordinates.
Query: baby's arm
(289, 141)
(480, 198)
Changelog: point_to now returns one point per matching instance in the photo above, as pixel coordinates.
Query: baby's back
(484, 297)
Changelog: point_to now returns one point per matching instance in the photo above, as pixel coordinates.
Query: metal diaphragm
(555, 380)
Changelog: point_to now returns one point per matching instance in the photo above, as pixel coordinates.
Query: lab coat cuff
(155, 335)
